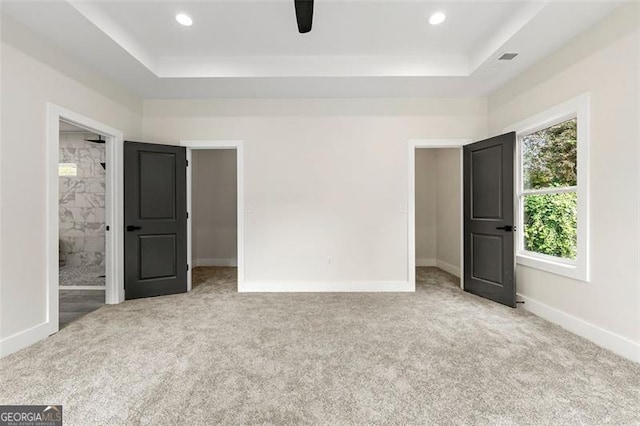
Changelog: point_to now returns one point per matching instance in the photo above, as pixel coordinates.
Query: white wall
(27, 85)
(604, 62)
(426, 173)
(448, 210)
(214, 208)
(325, 179)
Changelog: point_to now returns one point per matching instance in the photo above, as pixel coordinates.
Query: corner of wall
(622, 21)
(20, 37)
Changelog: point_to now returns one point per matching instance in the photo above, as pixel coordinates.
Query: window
(552, 189)
(548, 197)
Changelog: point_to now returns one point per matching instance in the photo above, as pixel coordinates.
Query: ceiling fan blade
(304, 15)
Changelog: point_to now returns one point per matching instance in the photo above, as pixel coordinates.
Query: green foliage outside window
(550, 157)
(551, 224)
(549, 160)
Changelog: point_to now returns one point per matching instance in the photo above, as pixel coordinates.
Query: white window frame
(575, 108)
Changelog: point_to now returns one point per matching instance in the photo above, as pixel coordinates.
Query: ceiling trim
(455, 65)
(313, 66)
(112, 29)
(493, 47)
(107, 39)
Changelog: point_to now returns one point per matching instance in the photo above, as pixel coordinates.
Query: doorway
(438, 216)
(214, 216)
(113, 280)
(487, 257)
(82, 222)
(423, 174)
(215, 202)
(157, 207)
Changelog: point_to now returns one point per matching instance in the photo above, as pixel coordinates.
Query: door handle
(507, 228)
(133, 228)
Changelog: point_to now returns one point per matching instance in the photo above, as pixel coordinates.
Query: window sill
(569, 270)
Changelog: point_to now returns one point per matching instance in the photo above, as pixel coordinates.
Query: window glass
(551, 224)
(549, 157)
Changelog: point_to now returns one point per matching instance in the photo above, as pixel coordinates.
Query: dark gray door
(155, 216)
(488, 219)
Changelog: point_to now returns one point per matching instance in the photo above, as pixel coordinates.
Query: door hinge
(107, 228)
(187, 163)
(187, 266)
(187, 215)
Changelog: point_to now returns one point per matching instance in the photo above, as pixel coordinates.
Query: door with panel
(155, 216)
(489, 257)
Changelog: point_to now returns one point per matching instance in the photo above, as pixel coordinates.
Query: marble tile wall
(82, 202)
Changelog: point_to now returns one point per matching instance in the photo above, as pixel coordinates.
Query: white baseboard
(608, 340)
(321, 287)
(452, 269)
(82, 287)
(425, 262)
(215, 262)
(22, 339)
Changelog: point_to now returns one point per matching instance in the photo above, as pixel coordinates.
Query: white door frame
(218, 144)
(114, 201)
(431, 143)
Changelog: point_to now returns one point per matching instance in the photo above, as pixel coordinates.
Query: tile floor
(77, 303)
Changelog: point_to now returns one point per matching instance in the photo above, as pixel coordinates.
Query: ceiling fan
(304, 15)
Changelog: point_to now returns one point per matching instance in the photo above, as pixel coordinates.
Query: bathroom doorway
(82, 222)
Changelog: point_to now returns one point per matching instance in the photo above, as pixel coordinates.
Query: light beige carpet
(439, 356)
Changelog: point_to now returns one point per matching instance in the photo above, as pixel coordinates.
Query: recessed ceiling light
(184, 19)
(437, 18)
